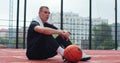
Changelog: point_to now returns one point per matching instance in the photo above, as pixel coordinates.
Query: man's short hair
(43, 7)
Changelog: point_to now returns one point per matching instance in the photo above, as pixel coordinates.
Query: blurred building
(78, 26)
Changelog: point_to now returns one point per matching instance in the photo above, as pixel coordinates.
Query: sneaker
(85, 57)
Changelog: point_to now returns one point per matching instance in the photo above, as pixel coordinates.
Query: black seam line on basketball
(67, 53)
(72, 55)
(80, 51)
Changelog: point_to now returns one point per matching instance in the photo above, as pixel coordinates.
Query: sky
(100, 8)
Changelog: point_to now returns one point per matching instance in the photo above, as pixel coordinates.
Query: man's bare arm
(46, 30)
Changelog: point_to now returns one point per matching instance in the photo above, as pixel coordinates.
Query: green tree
(3, 40)
(102, 37)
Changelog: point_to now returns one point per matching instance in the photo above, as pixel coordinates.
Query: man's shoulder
(34, 22)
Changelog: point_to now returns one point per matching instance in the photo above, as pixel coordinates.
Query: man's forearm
(48, 31)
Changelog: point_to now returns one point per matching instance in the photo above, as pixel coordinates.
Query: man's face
(44, 14)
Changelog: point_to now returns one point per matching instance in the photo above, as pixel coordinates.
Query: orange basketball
(72, 53)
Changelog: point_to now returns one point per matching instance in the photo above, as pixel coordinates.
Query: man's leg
(53, 46)
(62, 42)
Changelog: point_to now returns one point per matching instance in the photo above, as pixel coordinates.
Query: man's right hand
(65, 34)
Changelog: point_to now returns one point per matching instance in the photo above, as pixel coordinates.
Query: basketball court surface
(98, 56)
